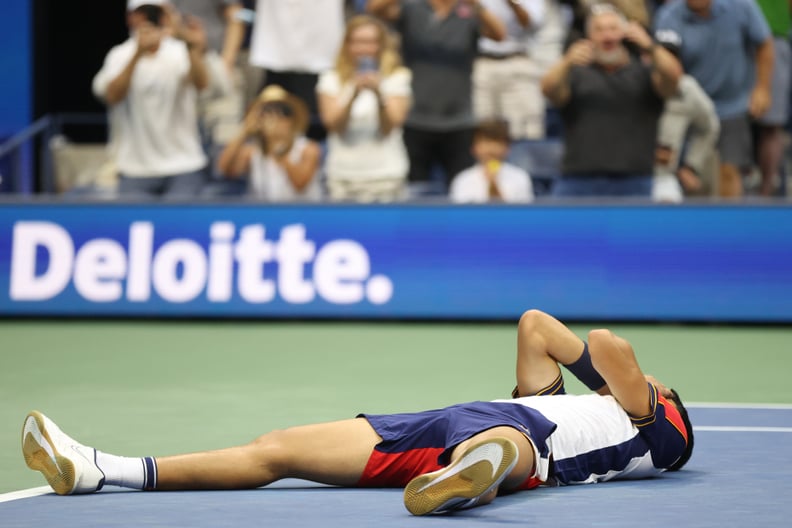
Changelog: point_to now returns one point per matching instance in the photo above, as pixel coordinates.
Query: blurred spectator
(689, 123)
(547, 47)
(727, 47)
(610, 99)
(506, 80)
(547, 44)
(439, 42)
(252, 76)
(294, 41)
(221, 105)
(686, 157)
(770, 144)
(281, 163)
(363, 103)
(225, 31)
(150, 84)
(491, 179)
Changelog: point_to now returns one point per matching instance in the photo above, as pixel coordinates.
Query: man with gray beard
(610, 88)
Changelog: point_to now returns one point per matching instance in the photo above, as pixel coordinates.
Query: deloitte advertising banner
(692, 263)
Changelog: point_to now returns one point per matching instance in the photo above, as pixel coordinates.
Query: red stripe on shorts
(395, 470)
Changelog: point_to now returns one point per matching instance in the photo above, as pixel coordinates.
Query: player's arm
(614, 359)
(544, 343)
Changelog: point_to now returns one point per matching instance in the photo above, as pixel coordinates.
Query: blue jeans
(602, 184)
(185, 185)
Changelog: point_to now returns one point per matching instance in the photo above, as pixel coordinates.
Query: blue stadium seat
(541, 159)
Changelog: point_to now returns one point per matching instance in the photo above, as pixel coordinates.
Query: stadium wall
(697, 263)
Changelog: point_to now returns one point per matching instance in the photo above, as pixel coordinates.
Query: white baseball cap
(134, 4)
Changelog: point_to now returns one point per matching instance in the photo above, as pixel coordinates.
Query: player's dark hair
(676, 466)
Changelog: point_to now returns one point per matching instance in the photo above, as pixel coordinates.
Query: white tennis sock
(135, 473)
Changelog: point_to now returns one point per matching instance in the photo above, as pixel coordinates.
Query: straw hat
(276, 94)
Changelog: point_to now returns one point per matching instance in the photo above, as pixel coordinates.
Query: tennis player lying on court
(447, 459)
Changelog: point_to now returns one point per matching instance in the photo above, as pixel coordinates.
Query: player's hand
(759, 102)
(662, 389)
(581, 53)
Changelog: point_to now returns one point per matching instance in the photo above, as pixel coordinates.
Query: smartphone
(632, 47)
(367, 65)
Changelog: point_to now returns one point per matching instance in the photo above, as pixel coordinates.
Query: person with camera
(150, 84)
(363, 103)
(281, 163)
(610, 89)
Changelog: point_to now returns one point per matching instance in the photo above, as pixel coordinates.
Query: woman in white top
(282, 163)
(363, 103)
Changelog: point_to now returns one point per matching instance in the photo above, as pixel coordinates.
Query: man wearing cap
(150, 84)
(726, 45)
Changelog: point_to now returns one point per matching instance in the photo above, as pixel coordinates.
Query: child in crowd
(281, 162)
(363, 103)
(491, 179)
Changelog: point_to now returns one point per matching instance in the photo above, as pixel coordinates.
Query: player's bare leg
(332, 453)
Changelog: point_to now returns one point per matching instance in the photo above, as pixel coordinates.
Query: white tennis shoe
(69, 467)
(462, 484)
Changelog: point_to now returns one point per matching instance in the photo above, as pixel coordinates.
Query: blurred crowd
(389, 100)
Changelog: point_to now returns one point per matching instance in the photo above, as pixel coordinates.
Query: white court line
(741, 429)
(25, 494)
(726, 405)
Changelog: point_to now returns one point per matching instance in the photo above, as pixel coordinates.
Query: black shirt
(610, 120)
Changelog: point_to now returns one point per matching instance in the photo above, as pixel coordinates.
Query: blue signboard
(680, 263)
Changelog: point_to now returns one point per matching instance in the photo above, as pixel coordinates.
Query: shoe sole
(40, 455)
(432, 494)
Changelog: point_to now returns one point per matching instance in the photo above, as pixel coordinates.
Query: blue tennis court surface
(740, 475)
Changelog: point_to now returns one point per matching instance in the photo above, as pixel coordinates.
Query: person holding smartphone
(150, 84)
(282, 164)
(610, 99)
(363, 103)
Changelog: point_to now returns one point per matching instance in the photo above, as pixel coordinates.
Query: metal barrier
(17, 152)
